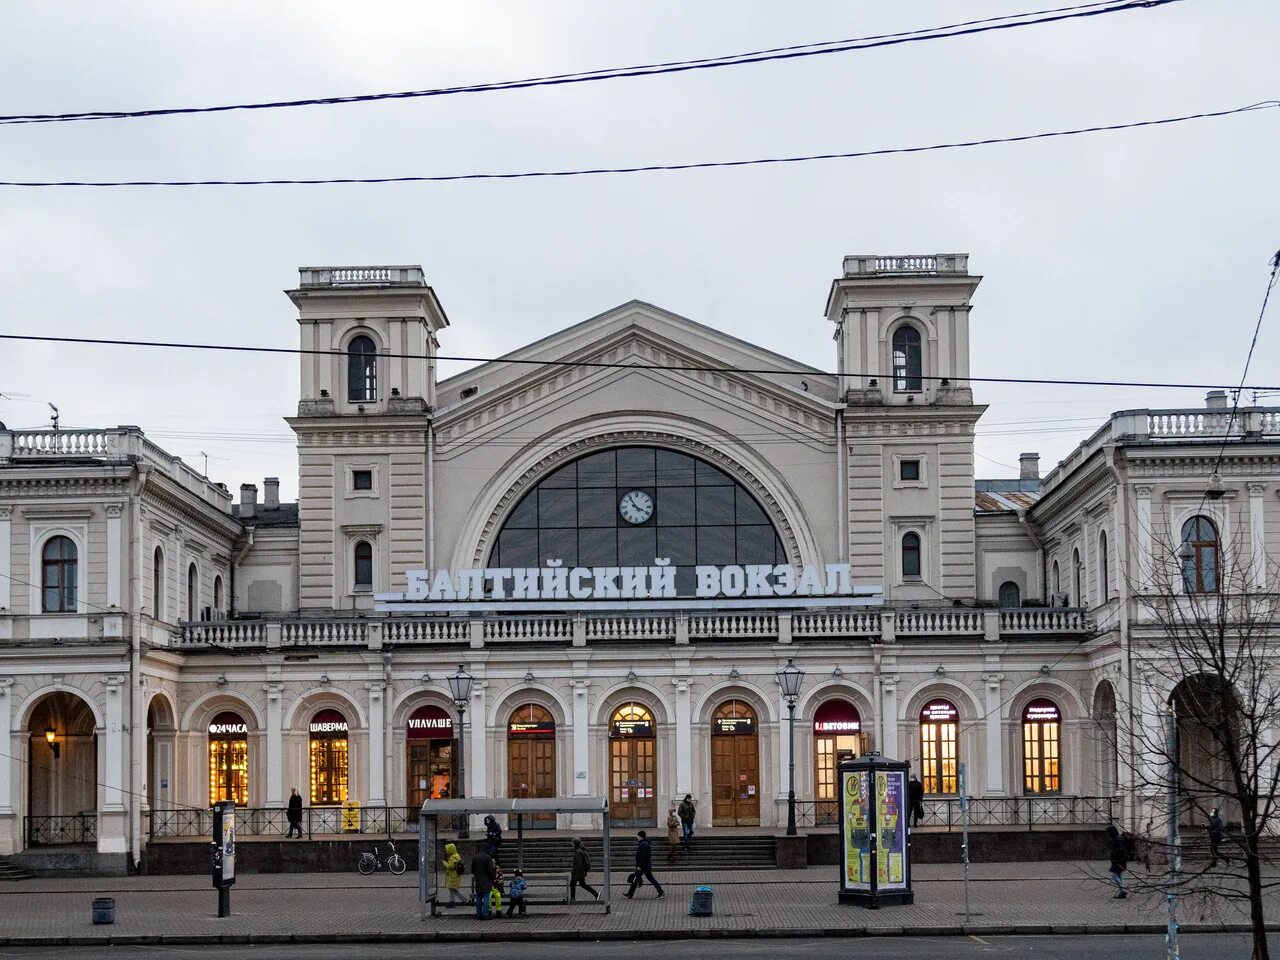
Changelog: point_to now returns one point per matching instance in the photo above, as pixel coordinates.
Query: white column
(377, 747)
(114, 557)
(581, 745)
(477, 757)
(684, 738)
(113, 771)
(888, 745)
(275, 746)
(6, 558)
(1257, 535)
(995, 751)
(6, 762)
(1142, 511)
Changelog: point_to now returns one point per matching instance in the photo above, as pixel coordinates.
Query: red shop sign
(836, 717)
(329, 722)
(430, 723)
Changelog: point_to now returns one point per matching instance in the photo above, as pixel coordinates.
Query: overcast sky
(1139, 254)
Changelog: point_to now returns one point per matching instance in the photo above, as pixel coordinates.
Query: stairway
(555, 854)
(9, 872)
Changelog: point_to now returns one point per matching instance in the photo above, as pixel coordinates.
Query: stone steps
(8, 872)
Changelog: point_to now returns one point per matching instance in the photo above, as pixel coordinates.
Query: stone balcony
(375, 276)
(913, 264)
(881, 625)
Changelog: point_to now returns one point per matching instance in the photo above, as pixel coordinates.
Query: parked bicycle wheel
(396, 864)
(368, 863)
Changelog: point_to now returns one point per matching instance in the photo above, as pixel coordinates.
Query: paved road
(1194, 947)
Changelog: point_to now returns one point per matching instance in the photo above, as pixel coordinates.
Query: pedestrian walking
(1119, 860)
(453, 873)
(482, 876)
(1215, 838)
(644, 867)
(673, 834)
(688, 813)
(915, 800)
(516, 893)
(578, 873)
(294, 815)
(492, 837)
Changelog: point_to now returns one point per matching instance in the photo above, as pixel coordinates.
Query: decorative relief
(114, 511)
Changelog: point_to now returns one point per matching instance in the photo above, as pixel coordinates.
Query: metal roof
(1004, 501)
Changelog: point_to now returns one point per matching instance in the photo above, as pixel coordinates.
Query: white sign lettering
(330, 726)
(430, 723)
(225, 729)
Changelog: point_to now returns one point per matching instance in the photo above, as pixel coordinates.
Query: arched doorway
(1041, 747)
(228, 759)
(939, 746)
(735, 766)
(633, 767)
(328, 758)
(430, 757)
(62, 772)
(1208, 722)
(837, 736)
(1105, 733)
(531, 757)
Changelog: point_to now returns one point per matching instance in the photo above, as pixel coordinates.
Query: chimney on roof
(271, 493)
(1216, 399)
(1029, 466)
(248, 500)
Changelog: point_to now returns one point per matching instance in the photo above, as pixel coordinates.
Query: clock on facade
(635, 507)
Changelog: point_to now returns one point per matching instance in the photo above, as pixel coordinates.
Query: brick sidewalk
(1048, 897)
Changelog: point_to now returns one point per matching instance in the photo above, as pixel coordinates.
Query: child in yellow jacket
(453, 873)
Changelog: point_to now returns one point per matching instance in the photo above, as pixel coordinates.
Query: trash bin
(701, 904)
(351, 816)
(104, 910)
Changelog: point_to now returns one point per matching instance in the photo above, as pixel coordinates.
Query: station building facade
(164, 645)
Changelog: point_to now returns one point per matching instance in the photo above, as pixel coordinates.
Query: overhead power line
(964, 28)
(619, 365)
(652, 167)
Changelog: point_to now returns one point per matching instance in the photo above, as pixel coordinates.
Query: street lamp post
(460, 690)
(789, 679)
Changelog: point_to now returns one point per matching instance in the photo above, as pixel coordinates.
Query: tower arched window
(157, 584)
(908, 365)
(1104, 569)
(1199, 555)
(193, 593)
(1077, 568)
(217, 595)
(363, 565)
(362, 370)
(911, 556)
(1057, 582)
(59, 571)
(1010, 595)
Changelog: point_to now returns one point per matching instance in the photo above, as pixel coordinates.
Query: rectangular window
(908, 469)
(361, 479)
(1040, 746)
(938, 757)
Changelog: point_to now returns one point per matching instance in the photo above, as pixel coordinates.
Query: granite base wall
(991, 846)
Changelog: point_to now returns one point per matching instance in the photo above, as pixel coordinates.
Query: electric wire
(653, 167)
(946, 31)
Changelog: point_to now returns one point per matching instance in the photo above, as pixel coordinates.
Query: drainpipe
(842, 488)
(431, 496)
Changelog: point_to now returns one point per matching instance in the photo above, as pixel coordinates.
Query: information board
(891, 832)
(856, 872)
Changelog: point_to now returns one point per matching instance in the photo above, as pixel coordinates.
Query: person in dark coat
(578, 873)
(915, 800)
(492, 837)
(687, 813)
(1215, 838)
(1119, 860)
(644, 867)
(483, 873)
(295, 814)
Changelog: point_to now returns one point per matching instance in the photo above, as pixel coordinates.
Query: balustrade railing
(425, 631)
(733, 625)
(224, 633)
(305, 632)
(1025, 620)
(630, 628)
(843, 623)
(60, 443)
(53, 831)
(187, 822)
(528, 628)
(950, 621)
(1025, 812)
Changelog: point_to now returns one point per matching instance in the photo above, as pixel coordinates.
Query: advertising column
(875, 861)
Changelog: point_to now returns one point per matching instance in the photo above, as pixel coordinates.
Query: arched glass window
(907, 361)
(363, 565)
(626, 506)
(58, 577)
(1041, 747)
(1077, 568)
(939, 746)
(911, 555)
(193, 593)
(1104, 569)
(217, 595)
(362, 370)
(1010, 595)
(157, 584)
(1199, 555)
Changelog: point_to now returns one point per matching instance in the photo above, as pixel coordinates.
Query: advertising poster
(857, 835)
(891, 834)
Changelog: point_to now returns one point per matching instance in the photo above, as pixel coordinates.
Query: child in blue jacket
(515, 893)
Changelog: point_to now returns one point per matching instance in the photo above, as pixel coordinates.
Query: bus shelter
(515, 810)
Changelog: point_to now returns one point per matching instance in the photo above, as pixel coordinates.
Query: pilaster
(6, 558)
(1257, 535)
(115, 557)
(275, 746)
(377, 746)
(995, 755)
(684, 737)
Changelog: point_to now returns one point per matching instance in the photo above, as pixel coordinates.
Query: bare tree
(1205, 692)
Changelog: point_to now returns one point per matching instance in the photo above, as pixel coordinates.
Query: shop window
(837, 736)
(362, 370)
(1041, 747)
(363, 554)
(911, 556)
(1199, 555)
(228, 759)
(1010, 595)
(328, 758)
(59, 572)
(939, 746)
(908, 365)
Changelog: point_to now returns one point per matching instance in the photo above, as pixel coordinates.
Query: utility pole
(1175, 842)
(964, 835)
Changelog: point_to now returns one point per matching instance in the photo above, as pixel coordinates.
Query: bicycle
(371, 861)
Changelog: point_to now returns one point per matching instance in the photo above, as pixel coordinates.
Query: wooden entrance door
(419, 772)
(531, 759)
(735, 767)
(633, 781)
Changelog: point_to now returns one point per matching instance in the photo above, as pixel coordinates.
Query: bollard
(104, 910)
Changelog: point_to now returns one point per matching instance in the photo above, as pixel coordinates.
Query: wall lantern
(51, 737)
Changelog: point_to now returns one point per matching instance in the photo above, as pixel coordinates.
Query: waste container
(104, 910)
(701, 903)
(351, 816)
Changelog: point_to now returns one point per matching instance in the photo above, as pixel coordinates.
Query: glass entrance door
(633, 781)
